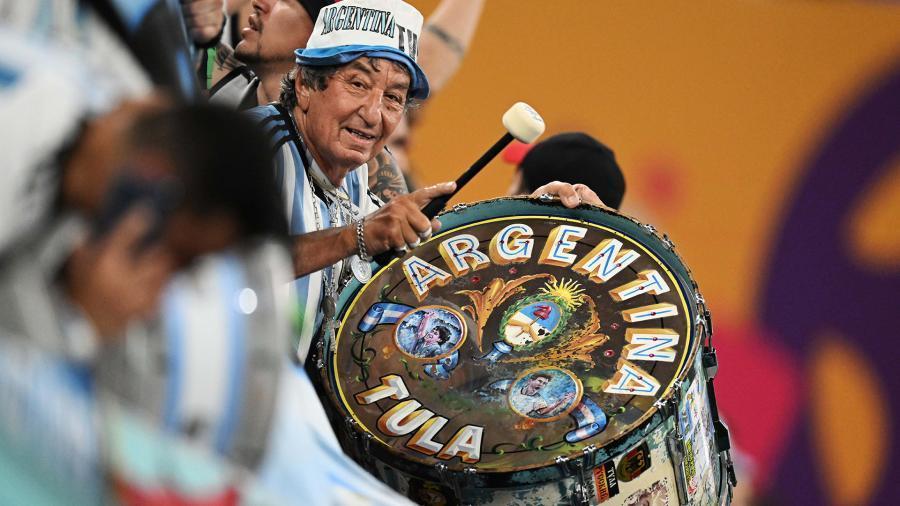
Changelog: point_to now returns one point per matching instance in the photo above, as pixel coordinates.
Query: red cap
(516, 151)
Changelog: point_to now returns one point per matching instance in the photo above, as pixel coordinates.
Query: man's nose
(370, 109)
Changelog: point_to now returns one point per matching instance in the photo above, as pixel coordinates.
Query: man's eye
(358, 84)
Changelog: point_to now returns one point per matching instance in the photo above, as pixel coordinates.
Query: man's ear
(303, 93)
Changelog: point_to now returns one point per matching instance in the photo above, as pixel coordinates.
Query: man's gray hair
(316, 77)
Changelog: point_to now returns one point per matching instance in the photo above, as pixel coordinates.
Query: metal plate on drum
(507, 343)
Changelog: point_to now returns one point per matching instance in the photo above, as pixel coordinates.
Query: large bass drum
(531, 354)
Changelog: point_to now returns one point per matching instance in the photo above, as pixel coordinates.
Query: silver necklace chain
(340, 208)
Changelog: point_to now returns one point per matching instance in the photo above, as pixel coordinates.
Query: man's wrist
(361, 250)
(348, 241)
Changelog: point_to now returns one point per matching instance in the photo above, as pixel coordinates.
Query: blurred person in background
(251, 73)
(575, 158)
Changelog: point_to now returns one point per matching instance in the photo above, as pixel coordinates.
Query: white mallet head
(523, 122)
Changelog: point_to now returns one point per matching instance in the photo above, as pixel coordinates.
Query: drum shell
(500, 487)
(668, 476)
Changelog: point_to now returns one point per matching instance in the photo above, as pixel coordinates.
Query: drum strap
(720, 429)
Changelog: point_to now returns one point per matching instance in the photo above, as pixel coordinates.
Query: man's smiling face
(349, 121)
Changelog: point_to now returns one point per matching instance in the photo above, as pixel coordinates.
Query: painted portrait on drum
(430, 332)
(545, 394)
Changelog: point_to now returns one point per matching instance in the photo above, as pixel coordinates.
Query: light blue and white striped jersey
(292, 161)
(49, 429)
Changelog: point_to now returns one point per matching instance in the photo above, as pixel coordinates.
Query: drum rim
(458, 218)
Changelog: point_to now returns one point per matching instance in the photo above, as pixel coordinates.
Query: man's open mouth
(361, 135)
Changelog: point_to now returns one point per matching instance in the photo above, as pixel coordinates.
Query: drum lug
(367, 443)
(468, 477)
(710, 363)
(320, 359)
(675, 444)
(668, 242)
(459, 207)
(562, 462)
(650, 228)
(727, 480)
(669, 406)
(452, 482)
(704, 319)
(582, 494)
(361, 439)
(722, 435)
(441, 469)
(729, 468)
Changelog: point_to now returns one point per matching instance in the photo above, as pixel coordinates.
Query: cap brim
(340, 55)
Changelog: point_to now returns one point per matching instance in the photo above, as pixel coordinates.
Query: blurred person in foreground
(339, 105)
(121, 226)
(575, 158)
(80, 267)
(81, 285)
(132, 171)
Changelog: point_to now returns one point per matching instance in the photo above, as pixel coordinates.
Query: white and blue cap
(350, 29)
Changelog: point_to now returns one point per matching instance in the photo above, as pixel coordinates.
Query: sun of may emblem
(539, 318)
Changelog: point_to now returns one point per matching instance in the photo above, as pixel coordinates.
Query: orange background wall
(711, 107)
(727, 95)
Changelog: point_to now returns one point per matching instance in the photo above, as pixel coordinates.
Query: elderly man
(349, 89)
(338, 107)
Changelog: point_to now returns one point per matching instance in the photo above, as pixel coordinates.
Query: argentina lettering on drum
(545, 334)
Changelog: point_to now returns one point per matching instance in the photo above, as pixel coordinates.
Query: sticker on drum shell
(696, 428)
(506, 343)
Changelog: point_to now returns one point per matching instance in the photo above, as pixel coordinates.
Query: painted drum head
(503, 343)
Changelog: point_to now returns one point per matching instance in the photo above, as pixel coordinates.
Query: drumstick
(522, 122)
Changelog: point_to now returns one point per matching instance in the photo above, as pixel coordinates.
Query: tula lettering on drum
(532, 336)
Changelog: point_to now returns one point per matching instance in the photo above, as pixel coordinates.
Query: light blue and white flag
(382, 313)
(590, 418)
